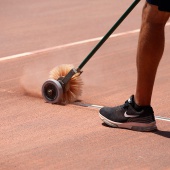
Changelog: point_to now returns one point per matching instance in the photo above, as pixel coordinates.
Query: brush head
(73, 89)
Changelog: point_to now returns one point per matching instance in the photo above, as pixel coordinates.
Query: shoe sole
(142, 127)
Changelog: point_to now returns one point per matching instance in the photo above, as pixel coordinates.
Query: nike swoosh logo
(126, 115)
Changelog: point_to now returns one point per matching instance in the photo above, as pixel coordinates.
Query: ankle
(139, 106)
(142, 101)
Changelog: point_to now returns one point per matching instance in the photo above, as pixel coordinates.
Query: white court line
(68, 45)
(99, 107)
(162, 118)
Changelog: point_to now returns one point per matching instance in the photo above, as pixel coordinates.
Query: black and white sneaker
(125, 116)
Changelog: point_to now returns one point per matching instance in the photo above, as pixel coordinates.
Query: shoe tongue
(131, 100)
(138, 108)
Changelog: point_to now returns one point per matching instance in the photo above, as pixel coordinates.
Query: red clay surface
(38, 135)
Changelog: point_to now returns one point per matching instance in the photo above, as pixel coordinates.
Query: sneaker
(125, 116)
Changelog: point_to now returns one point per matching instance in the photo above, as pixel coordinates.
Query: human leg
(150, 51)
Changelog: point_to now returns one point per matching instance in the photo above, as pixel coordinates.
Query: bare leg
(150, 51)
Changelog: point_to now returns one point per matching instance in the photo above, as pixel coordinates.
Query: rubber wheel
(52, 91)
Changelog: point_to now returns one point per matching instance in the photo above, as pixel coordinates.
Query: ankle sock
(136, 106)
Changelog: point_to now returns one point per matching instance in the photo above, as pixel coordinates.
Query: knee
(152, 15)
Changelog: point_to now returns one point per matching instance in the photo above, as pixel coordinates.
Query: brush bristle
(73, 88)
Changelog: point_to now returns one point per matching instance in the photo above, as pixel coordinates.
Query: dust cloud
(36, 71)
(34, 75)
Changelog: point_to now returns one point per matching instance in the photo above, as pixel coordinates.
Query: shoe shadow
(104, 124)
(165, 134)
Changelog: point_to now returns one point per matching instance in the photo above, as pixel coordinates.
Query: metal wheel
(52, 91)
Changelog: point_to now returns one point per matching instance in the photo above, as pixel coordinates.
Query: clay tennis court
(39, 35)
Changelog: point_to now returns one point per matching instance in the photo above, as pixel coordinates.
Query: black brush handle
(108, 34)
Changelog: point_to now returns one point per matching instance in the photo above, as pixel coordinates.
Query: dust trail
(34, 75)
(36, 72)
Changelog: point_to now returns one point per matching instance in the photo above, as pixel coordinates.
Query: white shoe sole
(143, 127)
